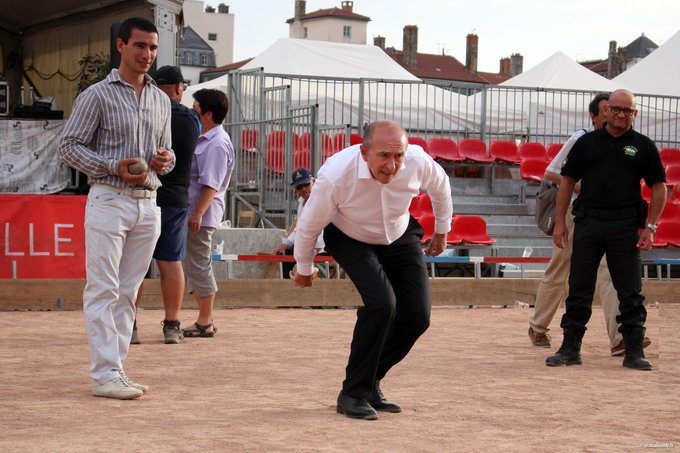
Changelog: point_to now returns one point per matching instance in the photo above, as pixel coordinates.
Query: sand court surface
(269, 379)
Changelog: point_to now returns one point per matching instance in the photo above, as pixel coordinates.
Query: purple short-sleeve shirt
(211, 166)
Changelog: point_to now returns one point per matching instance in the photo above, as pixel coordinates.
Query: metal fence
(280, 122)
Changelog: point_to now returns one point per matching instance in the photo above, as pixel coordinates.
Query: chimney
(410, 49)
(616, 62)
(300, 6)
(379, 41)
(347, 6)
(209, 9)
(471, 42)
(504, 66)
(222, 8)
(516, 64)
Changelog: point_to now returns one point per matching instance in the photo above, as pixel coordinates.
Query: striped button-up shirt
(109, 123)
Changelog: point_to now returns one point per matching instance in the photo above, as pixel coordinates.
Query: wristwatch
(652, 227)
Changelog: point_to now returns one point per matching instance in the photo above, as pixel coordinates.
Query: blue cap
(300, 177)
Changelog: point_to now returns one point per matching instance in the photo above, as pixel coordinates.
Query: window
(212, 36)
(347, 31)
(189, 57)
(204, 60)
(304, 32)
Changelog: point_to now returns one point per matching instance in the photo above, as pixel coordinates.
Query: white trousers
(120, 236)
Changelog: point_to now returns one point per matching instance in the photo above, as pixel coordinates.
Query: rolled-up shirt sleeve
(436, 182)
(319, 211)
(166, 142)
(213, 164)
(78, 134)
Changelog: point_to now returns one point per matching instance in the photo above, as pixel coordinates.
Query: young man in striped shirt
(116, 123)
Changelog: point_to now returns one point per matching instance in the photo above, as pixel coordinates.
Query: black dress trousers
(393, 283)
(617, 239)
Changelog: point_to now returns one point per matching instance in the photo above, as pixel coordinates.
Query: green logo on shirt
(630, 151)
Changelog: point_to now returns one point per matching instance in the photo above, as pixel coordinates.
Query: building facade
(332, 24)
(195, 55)
(215, 27)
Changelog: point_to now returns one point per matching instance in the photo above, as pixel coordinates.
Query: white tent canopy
(561, 72)
(658, 73)
(304, 57)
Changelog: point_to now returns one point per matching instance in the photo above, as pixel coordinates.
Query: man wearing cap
(173, 199)
(302, 187)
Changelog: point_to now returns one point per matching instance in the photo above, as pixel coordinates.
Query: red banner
(42, 236)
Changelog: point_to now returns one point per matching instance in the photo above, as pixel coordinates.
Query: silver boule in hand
(138, 167)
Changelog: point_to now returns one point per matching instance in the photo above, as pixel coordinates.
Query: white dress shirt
(290, 240)
(346, 194)
(555, 165)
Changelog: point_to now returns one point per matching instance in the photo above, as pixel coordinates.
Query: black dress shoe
(355, 408)
(380, 403)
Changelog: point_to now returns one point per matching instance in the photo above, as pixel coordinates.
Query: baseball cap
(300, 177)
(169, 75)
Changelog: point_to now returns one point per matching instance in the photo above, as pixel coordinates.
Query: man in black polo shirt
(173, 199)
(608, 212)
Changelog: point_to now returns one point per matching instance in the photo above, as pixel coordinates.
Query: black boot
(570, 351)
(634, 354)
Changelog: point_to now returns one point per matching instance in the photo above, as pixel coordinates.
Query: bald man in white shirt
(360, 201)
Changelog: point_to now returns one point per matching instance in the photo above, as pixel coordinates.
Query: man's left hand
(195, 220)
(437, 245)
(646, 239)
(161, 160)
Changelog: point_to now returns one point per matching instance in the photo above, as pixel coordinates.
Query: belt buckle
(138, 192)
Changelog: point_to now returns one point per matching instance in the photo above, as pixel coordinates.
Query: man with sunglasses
(608, 212)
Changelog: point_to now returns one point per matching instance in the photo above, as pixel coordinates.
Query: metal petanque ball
(138, 167)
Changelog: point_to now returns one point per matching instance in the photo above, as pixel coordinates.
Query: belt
(134, 192)
(605, 214)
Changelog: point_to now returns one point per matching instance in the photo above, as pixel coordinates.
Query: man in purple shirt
(211, 169)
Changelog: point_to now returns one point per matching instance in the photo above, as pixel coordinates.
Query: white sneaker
(133, 384)
(116, 388)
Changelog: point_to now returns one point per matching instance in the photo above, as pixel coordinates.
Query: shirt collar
(114, 77)
(603, 131)
(211, 133)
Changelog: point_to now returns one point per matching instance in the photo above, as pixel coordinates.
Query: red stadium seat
(275, 159)
(670, 156)
(503, 151)
(443, 148)
(471, 229)
(473, 149)
(249, 140)
(427, 222)
(326, 144)
(451, 237)
(670, 210)
(338, 142)
(673, 174)
(531, 150)
(552, 150)
(304, 142)
(302, 158)
(418, 141)
(414, 207)
(425, 206)
(355, 139)
(668, 233)
(533, 169)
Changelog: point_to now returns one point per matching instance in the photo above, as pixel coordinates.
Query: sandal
(198, 330)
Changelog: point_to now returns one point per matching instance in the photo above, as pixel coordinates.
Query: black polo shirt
(610, 168)
(185, 128)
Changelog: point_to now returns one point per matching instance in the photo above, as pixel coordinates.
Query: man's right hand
(560, 235)
(303, 281)
(128, 177)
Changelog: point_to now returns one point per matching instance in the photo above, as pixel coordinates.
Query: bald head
(391, 127)
(621, 112)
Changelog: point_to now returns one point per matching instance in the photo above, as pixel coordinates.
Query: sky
(536, 29)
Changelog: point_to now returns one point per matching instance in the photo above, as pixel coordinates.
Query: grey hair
(370, 130)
